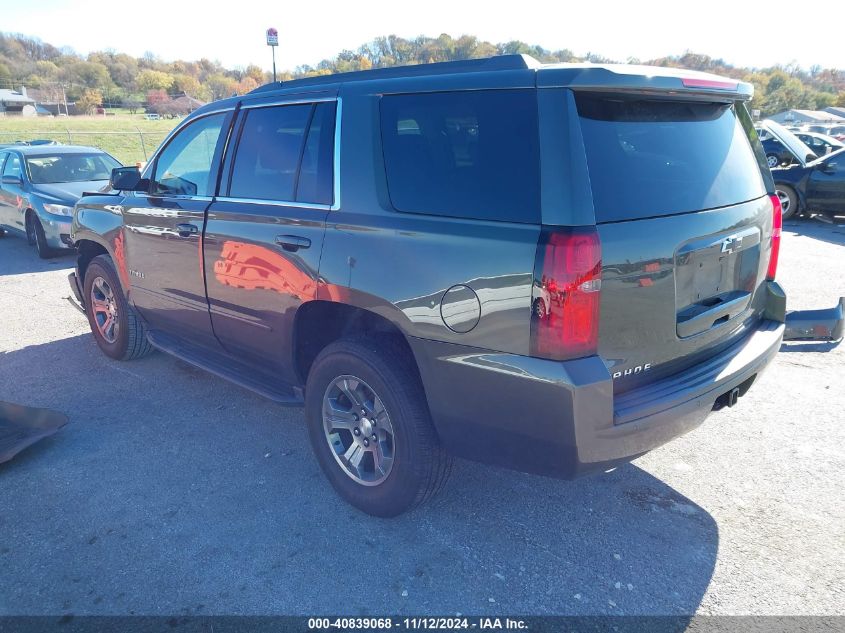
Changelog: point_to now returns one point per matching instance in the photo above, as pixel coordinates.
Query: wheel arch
(318, 323)
(86, 250)
(89, 245)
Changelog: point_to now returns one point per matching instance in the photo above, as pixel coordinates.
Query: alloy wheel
(104, 307)
(785, 202)
(358, 430)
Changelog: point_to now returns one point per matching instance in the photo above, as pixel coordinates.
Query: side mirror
(12, 180)
(127, 179)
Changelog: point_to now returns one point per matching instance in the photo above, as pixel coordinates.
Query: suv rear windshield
(651, 157)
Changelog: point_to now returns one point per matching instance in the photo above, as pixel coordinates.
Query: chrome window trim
(335, 206)
(180, 196)
(276, 203)
(282, 101)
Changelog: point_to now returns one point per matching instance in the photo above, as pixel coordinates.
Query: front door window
(184, 166)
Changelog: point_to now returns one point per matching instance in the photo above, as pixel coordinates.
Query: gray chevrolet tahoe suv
(550, 268)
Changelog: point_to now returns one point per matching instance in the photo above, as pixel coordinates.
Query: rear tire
(386, 418)
(788, 200)
(116, 326)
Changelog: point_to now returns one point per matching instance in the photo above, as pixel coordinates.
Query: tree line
(110, 78)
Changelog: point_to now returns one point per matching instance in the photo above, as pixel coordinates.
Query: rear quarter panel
(400, 265)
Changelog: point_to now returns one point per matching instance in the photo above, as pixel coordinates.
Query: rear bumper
(816, 325)
(561, 418)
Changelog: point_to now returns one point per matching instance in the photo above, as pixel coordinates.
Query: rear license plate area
(715, 277)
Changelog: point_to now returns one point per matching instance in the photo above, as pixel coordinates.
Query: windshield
(57, 168)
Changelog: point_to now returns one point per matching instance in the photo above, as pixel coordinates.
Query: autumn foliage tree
(90, 100)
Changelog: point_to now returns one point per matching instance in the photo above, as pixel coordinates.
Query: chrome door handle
(292, 243)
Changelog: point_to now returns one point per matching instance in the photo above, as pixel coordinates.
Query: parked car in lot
(838, 132)
(816, 186)
(372, 246)
(810, 184)
(778, 154)
(42, 141)
(39, 186)
(820, 144)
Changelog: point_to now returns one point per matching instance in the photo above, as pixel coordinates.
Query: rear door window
(285, 153)
(463, 154)
(661, 157)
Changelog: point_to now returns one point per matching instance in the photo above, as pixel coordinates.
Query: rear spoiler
(655, 80)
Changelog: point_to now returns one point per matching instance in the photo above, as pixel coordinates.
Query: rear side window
(285, 154)
(651, 157)
(463, 154)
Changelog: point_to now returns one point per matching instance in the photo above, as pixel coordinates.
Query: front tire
(370, 428)
(772, 160)
(36, 237)
(788, 200)
(116, 326)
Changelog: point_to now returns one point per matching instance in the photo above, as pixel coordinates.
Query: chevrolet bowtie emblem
(731, 244)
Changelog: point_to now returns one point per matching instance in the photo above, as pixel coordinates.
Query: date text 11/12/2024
(424, 623)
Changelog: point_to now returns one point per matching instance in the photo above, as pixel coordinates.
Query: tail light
(777, 228)
(565, 295)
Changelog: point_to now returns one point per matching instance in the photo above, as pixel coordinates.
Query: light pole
(273, 42)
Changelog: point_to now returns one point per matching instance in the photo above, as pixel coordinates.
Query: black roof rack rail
(486, 64)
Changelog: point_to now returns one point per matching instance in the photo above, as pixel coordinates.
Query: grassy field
(119, 135)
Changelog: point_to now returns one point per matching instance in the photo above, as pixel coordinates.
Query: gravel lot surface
(172, 491)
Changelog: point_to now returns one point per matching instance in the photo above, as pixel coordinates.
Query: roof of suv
(583, 76)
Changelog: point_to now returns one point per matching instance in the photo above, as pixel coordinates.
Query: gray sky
(742, 33)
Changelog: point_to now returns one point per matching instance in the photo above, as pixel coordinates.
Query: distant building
(16, 103)
(187, 104)
(806, 116)
(835, 110)
(58, 109)
(50, 101)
